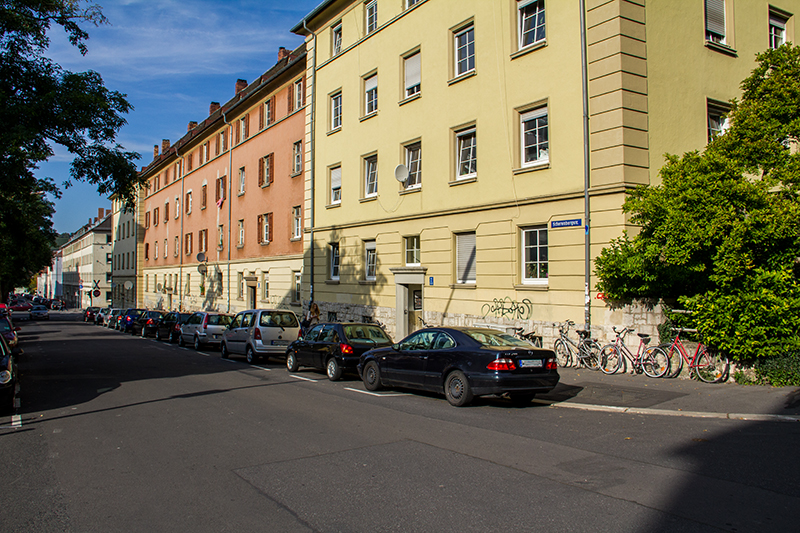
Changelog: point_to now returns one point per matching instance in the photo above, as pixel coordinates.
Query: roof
(314, 12)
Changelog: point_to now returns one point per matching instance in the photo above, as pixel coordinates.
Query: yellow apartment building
(452, 175)
(222, 211)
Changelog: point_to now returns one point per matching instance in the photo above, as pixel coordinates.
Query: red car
(89, 314)
(21, 305)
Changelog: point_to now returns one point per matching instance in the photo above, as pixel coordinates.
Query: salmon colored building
(223, 205)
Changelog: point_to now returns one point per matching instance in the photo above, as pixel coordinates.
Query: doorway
(409, 299)
(252, 287)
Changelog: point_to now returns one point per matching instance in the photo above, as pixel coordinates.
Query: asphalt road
(118, 433)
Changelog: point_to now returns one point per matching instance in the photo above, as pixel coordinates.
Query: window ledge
(724, 48)
(471, 179)
(411, 98)
(528, 49)
(295, 174)
(367, 282)
(296, 239)
(240, 193)
(335, 130)
(331, 282)
(332, 206)
(203, 208)
(464, 286)
(368, 199)
(239, 246)
(411, 190)
(463, 77)
(531, 168)
(266, 184)
(532, 287)
(265, 243)
(367, 117)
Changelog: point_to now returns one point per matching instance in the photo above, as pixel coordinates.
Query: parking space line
(377, 393)
(16, 421)
(304, 379)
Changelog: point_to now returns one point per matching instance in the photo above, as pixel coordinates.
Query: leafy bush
(779, 371)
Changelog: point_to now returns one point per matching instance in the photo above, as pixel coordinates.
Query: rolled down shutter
(715, 17)
(465, 257)
(336, 180)
(413, 75)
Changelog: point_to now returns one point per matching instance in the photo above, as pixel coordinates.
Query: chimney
(100, 212)
(155, 151)
(283, 52)
(213, 107)
(192, 125)
(164, 145)
(108, 212)
(240, 85)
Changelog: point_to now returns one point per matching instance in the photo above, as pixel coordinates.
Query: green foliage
(721, 233)
(780, 371)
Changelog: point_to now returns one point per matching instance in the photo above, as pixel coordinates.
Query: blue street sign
(575, 222)
(430, 281)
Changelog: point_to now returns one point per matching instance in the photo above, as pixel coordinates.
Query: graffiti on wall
(508, 308)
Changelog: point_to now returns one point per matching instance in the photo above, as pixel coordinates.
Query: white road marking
(16, 421)
(262, 368)
(304, 379)
(377, 393)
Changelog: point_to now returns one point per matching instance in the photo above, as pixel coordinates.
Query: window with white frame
(188, 283)
(370, 260)
(265, 286)
(336, 39)
(336, 111)
(336, 185)
(715, 21)
(534, 138)
(166, 249)
(240, 285)
(297, 157)
(777, 30)
(371, 12)
(297, 222)
(204, 153)
(717, 118)
(412, 69)
(467, 156)
(333, 259)
(177, 207)
(241, 233)
(371, 94)
(414, 164)
(371, 176)
(177, 246)
(530, 22)
(265, 228)
(202, 240)
(299, 94)
(241, 180)
(265, 170)
(220, 236)
(465, 258)
(534, 255)
(243, 127)
(166, 211)
(410, 3)
(298, 279)
(188, 202)
(465, 50)
(268, 113)
(155, 250)
(412, 249)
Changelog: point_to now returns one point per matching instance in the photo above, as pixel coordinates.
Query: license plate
(530, 363)
(280, 343)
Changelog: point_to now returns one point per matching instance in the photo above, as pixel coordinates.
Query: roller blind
(465, 257)
(413, 74)
(715, 17)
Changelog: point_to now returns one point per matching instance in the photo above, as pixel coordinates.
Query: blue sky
(171, 58)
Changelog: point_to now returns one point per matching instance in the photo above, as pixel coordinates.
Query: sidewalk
(636, 393)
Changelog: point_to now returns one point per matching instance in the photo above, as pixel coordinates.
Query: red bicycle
(707, 366)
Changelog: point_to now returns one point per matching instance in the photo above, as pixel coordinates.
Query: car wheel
(333, 369)
(457, 389)
(223, 351)
(181, 342)
(144, 334)
(521, 398)
(250, 355)
(291, 362)
(197, 344)
(372, 377)
(158, 334)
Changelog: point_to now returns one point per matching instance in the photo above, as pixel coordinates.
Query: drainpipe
(230, 190)
(586, 170)
(181, 244)
(311, 164)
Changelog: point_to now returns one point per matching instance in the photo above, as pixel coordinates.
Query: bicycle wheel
(655, 362)
(563, 355)
(675, 360)
(710, 367)
(610, 359)
(589, 354)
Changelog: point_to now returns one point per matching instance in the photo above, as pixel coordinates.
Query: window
(534, 137)
(204, 197)
(244, 128)
(336, 39)
(240, 242)
(240, 291)
(166, 211)
(413, 74)
(299, 94)
(777, 30)
(412, 250)
(467, 157)
(410, 3)
(265, 165)
(189, 162)
(370, 260)
(188, 202)
(334, 260)
(414, 164)
(202, 240)
(177, 207)
(465, 258)
(336, 111)
(268, 112)
(297, 222)
(297, 157)
(157, 183)
(188, 283)
(187, 244)
(372, 16)
(241, 181)
(177, 246)
(465, 50)
(534, 255)
(371, 176)
(147, 251)
(166, 249)
(220, 236)
(531, 22)
(265, 228)
(715, 21)
(221, 190)
(298, 278)
(155, 250)
(336, 185)
(155, 216)
(146, 221)
(717, 119)
(265, 285)
(204, 153)
(371, 95)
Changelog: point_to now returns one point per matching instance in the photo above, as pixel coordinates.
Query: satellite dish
(401, 173)
(202, 269)
(128, 285)
(158, 287)
(201, 257)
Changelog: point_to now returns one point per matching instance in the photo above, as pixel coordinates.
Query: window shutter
(413, 71)
(247, 126)
(291, 96)
(260, 228)
(715, 17)
(302, 93)
(336, 177)
(237, 136)
(260, 117)
(370, 83)
(465, 257)
(272, 110)
(216, 145)
(271, 173)
(269, 226)
(225, 140)
(261, 172)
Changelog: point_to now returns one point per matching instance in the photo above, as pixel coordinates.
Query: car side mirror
(396, 347)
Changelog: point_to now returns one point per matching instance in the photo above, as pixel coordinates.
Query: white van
(260, 333)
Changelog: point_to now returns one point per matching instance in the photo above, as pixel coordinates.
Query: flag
(219, 202)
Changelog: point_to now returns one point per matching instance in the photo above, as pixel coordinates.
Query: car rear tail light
(502, 364)
(177, 326)
(257, 334)
(149, 321)
(550, 364)
(205, 322)
(346, 349)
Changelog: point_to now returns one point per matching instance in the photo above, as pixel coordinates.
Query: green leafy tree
(42, 105)
(721, 233)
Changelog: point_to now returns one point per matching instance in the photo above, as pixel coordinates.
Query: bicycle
(652, 360)
(530, 336)
(569, 353)
(708, 367)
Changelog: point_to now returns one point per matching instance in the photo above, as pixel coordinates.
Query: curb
(668, 412)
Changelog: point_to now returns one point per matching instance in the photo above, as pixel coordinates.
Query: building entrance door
(252, 285)
(408, 299)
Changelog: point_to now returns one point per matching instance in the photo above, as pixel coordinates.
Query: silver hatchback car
(260, 333)
(203, 328)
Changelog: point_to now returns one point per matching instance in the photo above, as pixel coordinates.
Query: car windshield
(278, 319)
(360, 333)
(490, 337)
(5, 326)
(219, 320)
(183, 317)
(135, 312)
